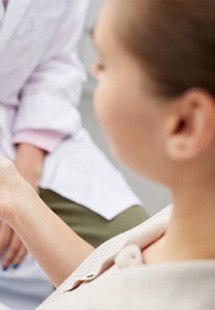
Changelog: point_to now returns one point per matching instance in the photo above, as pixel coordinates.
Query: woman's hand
(11, 184)
(29, 163)
(13, 187)
(49, 239)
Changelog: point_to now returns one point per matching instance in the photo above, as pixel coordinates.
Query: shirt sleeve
(50, 98)
(47, 140)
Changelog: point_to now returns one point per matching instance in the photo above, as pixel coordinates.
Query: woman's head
(174, 41)
(156, 81)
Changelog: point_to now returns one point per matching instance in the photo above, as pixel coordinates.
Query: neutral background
(154, 197)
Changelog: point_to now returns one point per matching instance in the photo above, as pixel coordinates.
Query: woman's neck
(191, 231)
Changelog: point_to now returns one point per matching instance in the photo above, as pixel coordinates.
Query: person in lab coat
(41, 81)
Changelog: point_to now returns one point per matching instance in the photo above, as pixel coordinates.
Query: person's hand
(11, 247)
(11, 184)
(10, 188)
(29, 163)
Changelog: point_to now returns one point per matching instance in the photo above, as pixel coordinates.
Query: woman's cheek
(96, 100)
(106, 104)
(100, 101)
(106, 111)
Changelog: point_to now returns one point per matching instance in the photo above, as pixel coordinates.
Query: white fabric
(41, 82)
(185, 285)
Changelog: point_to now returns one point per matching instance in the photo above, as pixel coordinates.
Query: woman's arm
(29, 162)
(53, 244)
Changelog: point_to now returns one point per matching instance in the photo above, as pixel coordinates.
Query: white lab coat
(41, 81)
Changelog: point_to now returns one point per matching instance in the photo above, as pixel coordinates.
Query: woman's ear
(190, 129)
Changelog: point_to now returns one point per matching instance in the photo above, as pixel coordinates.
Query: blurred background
(154, 197)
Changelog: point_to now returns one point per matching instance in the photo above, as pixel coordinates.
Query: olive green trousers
(90, 226)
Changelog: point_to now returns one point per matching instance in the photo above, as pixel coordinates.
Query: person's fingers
(5, 237)
(19, 257)
(15, 253)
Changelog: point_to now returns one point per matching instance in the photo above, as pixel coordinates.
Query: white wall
(153, 196)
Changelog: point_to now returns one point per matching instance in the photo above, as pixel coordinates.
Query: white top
(41, 82)
(124, 282)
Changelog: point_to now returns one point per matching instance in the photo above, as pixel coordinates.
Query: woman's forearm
(52, 243)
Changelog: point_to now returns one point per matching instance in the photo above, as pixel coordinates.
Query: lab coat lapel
(15, 11)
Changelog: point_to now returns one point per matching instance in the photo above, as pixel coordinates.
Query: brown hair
(174, 41)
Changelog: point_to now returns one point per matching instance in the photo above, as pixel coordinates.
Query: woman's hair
(174, 41)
